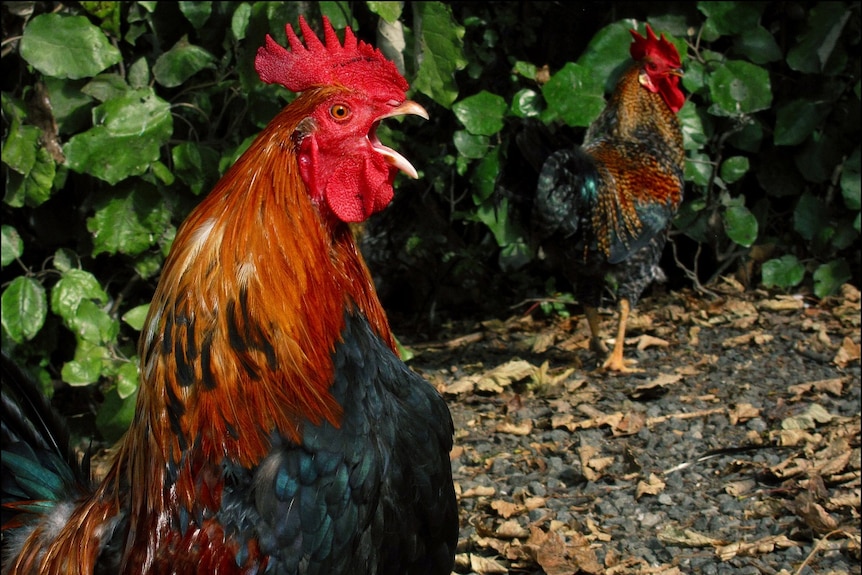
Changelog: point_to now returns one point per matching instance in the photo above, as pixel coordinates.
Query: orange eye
(339, 112)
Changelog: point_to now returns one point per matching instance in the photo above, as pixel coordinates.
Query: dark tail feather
(39, 465)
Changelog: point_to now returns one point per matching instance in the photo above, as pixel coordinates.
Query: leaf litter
(563, 470)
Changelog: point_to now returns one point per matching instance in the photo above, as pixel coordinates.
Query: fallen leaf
(674, 535)
(847, 353)
(782, 303)
(742, 412)
(506, 509)
(753, 548)
(738, 488)
(653, 486)
(832, 386)
(812, 513)
(479, 491)
(523, 428)
(756, 337)
(511, 529)
(483, 565)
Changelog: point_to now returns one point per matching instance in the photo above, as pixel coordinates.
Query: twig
(820, 543)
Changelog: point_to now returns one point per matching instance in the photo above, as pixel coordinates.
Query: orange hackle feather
(638, 176)
(238, 344)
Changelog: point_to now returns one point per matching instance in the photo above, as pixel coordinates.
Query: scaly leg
(596, 344)
(615, 361)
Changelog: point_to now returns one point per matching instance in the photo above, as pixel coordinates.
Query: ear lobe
(308, 158)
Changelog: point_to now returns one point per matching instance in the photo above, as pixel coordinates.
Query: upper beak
(394, 158)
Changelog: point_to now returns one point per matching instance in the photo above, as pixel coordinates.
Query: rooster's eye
(339, 112)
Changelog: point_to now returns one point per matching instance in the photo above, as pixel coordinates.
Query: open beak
(394, 158)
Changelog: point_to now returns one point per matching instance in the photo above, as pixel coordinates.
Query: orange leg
(615, 361)
(596, 343)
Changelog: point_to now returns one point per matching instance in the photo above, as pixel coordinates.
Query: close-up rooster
(602, 210)
(276, 429)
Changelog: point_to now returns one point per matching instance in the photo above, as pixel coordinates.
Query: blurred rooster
(276, 429)
(601, 211)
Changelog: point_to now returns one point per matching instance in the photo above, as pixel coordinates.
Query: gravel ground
(735, 449)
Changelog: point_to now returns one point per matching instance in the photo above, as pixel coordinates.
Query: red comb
(354, 64)
(652, 46)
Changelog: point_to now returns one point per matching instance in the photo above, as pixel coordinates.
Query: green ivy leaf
(796, 120)
(389, 11)
(93, 324)
(738, 87)
(67, 46)
(819, 48)
(126, 140)
(127, 380)
(758, 45)
(181, 62)
(810, 216)
(694, 134)
(24, 308)
(136, 316)
(784, 272)
(733, 169)
(196, 165)
(19, 148)
(698, 169)
(11, 245)
(115, 415)
(607, 51)
(484, 177)
(740, 225)
(526, 104)
(196, 12)
(239, 20)
(81, 372)
(729, 18)
(829, 277)
(470, 146)
(482, 114)
(106, 87)
(575, 95)
(129, 222)
(440, 55)
(75, 287)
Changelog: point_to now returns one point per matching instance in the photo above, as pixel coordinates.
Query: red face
(349, 173)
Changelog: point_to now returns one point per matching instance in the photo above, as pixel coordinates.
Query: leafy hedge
(118, 117)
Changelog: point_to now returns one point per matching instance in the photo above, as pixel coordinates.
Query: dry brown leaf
(630, 424)
(757, 337)
(556, 557)
(807, 420)
(653, 486)
(506, 509)
(543, 342)
(479, 491)
(847, 353)
(832, 386)
(523, 428)
(505, 374)
(753, 548)
(484, 565)
(812, 513)
(782, 303)
(461, 386)
(511, 529)
(694, 336)
(742, 412)
(738, 488)
(674, 535)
